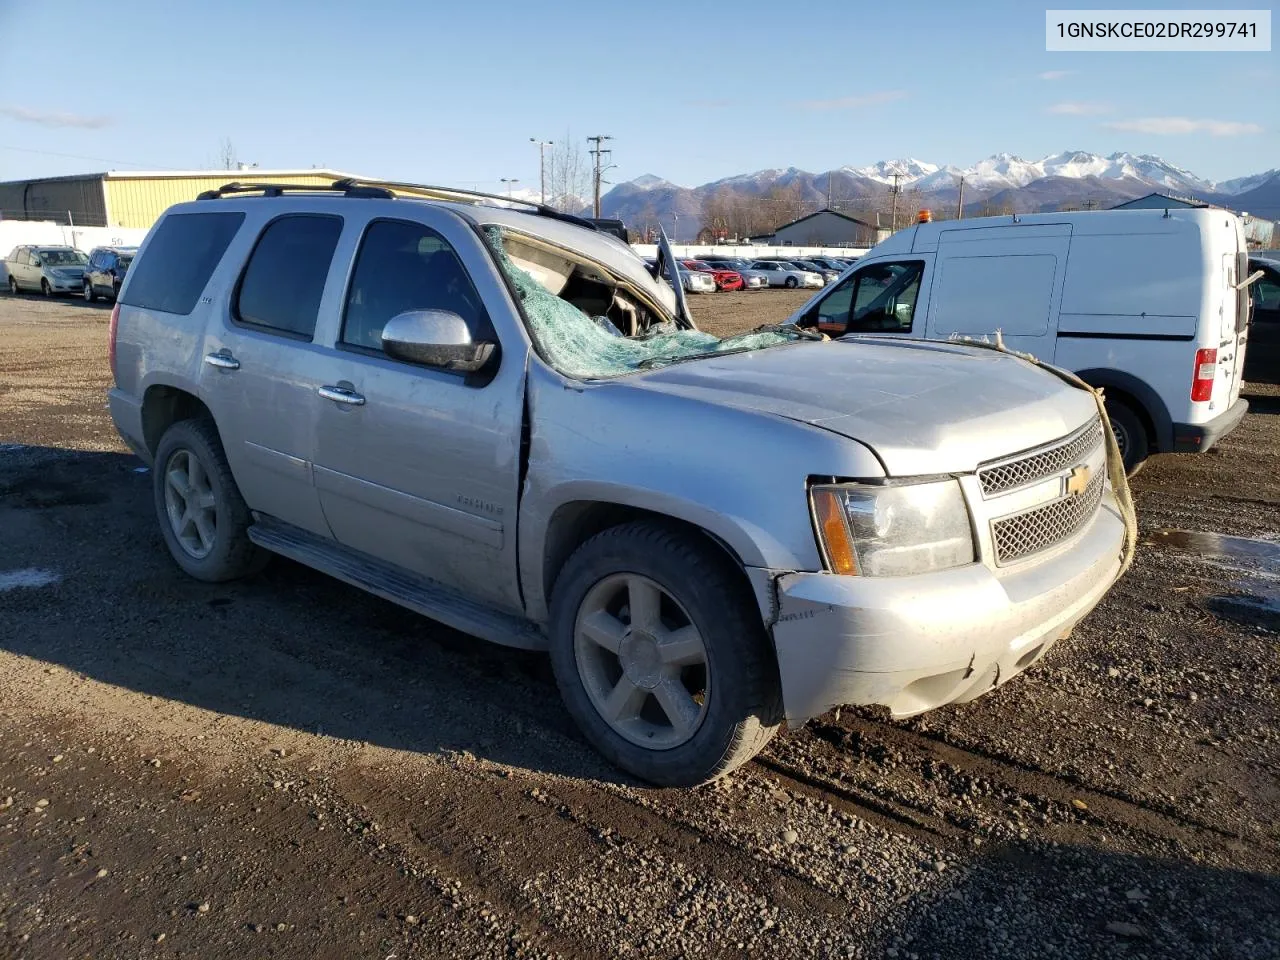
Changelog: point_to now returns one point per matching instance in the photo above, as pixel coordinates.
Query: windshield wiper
(790, 329)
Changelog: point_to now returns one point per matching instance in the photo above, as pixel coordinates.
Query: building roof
(834, 213)
(1173, 199)
(249, 173)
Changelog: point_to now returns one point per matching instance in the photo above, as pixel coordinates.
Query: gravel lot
(288, 767)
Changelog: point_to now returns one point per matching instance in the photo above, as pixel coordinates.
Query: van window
(979, 295)
(285, 276)
(884, 298)
(180, 259)
(1266, 294)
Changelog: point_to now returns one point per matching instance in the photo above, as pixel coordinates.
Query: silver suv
(497, 416)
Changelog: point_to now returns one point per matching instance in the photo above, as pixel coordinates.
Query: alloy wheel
(642, 661)
(190, 504)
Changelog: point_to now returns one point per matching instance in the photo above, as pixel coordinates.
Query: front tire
(203, 518)
(660, 654)
(88, 292)
(792, 283)
(45, 288)
(1131, 435)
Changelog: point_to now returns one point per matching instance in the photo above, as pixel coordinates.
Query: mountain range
(1001, 183)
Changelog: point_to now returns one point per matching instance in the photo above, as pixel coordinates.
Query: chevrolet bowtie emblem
(1078, 481)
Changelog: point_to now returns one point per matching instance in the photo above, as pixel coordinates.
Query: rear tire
(13, 287)
(723, 672)
(1131, 435)
(203, 518)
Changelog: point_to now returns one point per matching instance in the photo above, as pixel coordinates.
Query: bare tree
(568, 175)
(227, 155)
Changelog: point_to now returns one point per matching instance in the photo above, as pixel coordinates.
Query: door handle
(341, 395)
(223, 361)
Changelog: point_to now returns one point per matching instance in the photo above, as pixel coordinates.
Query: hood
(923, 407)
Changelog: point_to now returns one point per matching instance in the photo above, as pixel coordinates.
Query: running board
(420, 595)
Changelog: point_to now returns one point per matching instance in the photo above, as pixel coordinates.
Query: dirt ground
(287, 767)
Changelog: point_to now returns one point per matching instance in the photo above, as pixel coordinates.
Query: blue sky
(451, 93)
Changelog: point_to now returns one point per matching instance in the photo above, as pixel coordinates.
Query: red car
(725, 279)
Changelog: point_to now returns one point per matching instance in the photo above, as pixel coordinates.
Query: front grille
(1004, 477)
(1025, 534)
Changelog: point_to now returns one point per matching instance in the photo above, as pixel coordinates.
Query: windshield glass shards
(591, 347)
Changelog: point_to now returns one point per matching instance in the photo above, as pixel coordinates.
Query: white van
(1140, 302)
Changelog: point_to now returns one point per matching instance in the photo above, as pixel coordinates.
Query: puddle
(28, 578)
(1253, 567)
(1218, 546)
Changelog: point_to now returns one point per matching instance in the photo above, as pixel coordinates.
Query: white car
(783, 274)
(695, 281)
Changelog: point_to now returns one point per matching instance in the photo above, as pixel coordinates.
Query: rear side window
(284, 279)
(180, 260)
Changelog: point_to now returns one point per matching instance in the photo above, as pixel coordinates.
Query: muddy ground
(287, 767)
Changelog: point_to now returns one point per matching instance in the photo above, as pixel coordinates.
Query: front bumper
(915, 643)
(66, 284)
(1199, 437)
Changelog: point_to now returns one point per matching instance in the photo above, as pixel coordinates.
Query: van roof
(924, 236)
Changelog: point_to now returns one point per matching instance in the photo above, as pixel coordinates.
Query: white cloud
(53, 119)
(1054, 74)
(1080, 109)
(1184, 125)
(850, 103)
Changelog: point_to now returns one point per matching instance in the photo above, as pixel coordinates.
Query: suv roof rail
(386, 190)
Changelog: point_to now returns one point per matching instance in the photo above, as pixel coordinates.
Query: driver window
(884, 300)
(406, 266)
(833, 311)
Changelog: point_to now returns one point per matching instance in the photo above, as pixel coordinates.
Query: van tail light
(1205, 372)
(111, 337)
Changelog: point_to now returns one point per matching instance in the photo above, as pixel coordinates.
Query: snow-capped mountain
(1003, 181)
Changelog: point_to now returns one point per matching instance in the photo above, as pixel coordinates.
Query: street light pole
(508, 181)
(542, 164)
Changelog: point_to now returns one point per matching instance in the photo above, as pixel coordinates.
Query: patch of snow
(28, 578)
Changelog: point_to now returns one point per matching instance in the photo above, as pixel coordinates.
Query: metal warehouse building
(117, 199)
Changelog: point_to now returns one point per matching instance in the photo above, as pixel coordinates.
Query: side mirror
(37, 262)
(434, 338)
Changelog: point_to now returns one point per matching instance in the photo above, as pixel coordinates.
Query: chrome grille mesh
(1018, 473)
(1027, 533)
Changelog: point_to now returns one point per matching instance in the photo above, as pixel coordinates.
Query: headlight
(892, 530)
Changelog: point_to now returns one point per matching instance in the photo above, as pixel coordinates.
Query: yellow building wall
(138, 202)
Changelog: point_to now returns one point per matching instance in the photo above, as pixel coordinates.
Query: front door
(1262, 357)
(878, 298)
(418, 466)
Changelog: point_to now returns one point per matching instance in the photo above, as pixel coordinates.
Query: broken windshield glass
(588, 347)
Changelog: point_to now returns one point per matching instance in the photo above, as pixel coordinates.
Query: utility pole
(896, 191)
(828, 189)
(599, 152)
(542, 164)
(960, 202)
(675, 229)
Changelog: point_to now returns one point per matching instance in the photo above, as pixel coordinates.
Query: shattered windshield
(592, 346)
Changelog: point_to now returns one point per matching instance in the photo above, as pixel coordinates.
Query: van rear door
(1233, 329)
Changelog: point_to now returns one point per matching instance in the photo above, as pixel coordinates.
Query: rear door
(259, 371)
(419, 466)
(1262, 361)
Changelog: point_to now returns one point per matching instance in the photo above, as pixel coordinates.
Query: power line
(78, 156)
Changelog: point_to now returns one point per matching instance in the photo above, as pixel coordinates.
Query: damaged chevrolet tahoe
(497, 416)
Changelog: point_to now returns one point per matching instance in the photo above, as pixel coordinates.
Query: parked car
(751, 279)
(1262, 364)
(832, 263)
(50, 270)
(695, 281)
(1146, 306)
(707, 535)
(783, 274)
(105, 271)
(725, 279)
(828, 274)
